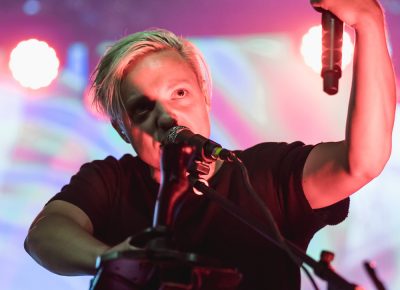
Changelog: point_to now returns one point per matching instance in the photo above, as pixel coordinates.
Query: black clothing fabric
(119, 197)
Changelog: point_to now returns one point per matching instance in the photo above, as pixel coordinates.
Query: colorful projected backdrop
(262, 92)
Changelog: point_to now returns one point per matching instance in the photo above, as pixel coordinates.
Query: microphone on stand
(332, 39)
(206, 149)
(175, 160)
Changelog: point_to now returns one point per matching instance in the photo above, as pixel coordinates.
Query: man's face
(159, 88)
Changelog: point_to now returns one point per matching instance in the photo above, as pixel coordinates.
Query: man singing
(153, 80)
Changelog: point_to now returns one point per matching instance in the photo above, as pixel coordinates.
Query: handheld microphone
(206, 149)
(332, 39)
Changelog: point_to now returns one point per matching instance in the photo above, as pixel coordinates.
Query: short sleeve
(91, 190)
(301, 220)
(276, 170)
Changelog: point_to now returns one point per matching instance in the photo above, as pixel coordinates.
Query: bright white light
(311, 48)
(34, 64)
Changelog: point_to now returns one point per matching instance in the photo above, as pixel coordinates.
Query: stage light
(31, 7)
(34, 64)
(311, 48)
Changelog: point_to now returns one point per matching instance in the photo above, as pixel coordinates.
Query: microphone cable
(270, 219)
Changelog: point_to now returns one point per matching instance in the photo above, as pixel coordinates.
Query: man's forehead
(157, 59)
(165, 74)
(134, 90)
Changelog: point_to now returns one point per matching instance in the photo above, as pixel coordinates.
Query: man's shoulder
(111, 164)
(275, 155)
(276, 145)
(126, 159)
(275, 148)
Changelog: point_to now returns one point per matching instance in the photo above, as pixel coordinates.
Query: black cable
(370, 268)
(271, 221)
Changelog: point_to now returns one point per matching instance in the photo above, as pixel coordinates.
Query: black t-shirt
(119, 197)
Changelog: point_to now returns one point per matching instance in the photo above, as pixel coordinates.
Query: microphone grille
(172, 133)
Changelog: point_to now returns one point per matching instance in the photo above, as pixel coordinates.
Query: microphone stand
(157, 264)
(322, 268)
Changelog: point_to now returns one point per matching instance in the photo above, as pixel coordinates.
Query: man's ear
(208, 106)
(208, 103)
(120, 128)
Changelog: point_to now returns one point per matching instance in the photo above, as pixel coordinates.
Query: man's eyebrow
(136, 98)
(138, 101)
(178, 82)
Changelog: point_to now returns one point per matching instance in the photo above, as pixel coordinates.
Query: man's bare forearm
(62, 246)
(373, 100)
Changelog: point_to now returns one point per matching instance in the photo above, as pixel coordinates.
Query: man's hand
(355, 13)
(121, 247)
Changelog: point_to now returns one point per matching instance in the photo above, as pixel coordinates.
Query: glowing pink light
(34, 64)
(311, 48)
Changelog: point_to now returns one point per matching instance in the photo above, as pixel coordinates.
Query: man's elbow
(26, 245)
(369, 165)
(31, 246)
(369, 170)
(28, 242)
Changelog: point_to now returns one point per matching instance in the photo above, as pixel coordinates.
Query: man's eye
(140, 113)
(180, 93)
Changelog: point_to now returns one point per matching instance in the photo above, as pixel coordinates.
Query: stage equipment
(157, 264)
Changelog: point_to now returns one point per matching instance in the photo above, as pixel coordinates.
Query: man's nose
(165, 120)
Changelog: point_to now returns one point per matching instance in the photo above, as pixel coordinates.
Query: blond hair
(111, 69)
